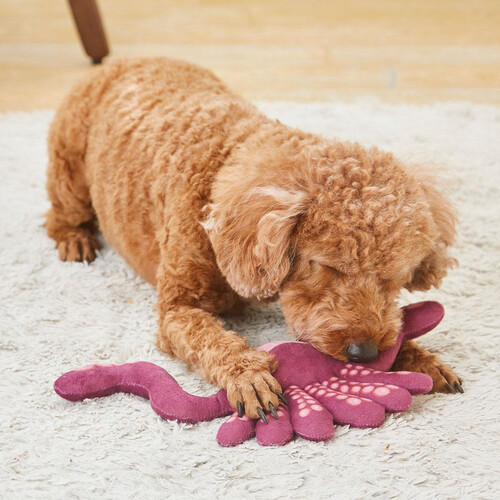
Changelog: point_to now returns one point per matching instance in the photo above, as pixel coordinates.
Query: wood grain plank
(419, 51)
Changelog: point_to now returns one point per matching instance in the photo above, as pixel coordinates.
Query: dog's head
(337, 233)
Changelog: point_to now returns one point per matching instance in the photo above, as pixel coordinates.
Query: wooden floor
(398, 50)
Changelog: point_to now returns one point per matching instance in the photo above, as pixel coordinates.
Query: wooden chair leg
(89, 25)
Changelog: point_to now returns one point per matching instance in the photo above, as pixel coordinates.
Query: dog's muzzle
(362, 352)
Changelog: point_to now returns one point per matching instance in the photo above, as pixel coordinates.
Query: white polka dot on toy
(365, 372)
(381, 391)
(321, 392)
(344, 388)
(355, 389)
(341, 396)
(367, 389)
(316, 408)
(302, 405)
(343, 371)
(335, 385)
(353, 401)
(304, 412)
(353, 372)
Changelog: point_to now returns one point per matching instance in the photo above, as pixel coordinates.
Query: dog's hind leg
(71, 219)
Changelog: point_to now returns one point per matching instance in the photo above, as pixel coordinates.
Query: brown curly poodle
(216, 204)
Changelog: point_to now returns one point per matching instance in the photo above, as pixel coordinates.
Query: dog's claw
(459, 387)
(450, 388)
(281, 398)
(262, 415)
(272, 409)
(241, 411)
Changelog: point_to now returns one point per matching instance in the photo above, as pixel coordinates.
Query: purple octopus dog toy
(320, 390)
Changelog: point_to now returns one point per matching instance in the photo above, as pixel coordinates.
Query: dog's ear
(251, 237)
(435, 266)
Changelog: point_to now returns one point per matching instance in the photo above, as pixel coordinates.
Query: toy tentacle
(309, 418)
(276, 432)
(348, 408)
(414, 383)
(148, 381)
(420, 318)
(236, 430)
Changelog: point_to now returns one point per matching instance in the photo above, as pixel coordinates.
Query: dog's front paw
(78, 246)
(250, 387)
(254, 393)
(414, 358)
(443, 378)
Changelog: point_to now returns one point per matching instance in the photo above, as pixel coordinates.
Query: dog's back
(143, 139)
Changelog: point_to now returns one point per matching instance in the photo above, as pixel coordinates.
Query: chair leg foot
(89, 25)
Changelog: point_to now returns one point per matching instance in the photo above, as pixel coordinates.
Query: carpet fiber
(55, 316)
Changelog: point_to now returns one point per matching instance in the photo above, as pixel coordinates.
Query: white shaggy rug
(55, 316)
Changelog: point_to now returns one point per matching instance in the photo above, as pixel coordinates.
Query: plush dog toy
(320, 390)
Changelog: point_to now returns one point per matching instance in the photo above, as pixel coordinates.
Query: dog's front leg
(414, 358)
(221, 356)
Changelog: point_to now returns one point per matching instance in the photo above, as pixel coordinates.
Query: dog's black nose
(362, 352)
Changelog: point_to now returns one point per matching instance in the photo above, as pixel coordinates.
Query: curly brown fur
(216, 205)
